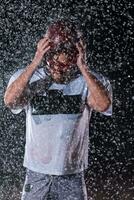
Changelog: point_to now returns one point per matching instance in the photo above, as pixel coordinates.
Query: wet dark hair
(68, 30)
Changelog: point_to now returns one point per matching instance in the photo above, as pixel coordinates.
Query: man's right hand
(42, 47)
(16, 94)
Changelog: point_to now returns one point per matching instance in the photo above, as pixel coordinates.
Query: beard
(61, 77)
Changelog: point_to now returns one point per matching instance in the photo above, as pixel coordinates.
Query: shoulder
(98, 75)
(39, 73)
(14, 76)
(79, 79)
(101, 77)
(17, 73)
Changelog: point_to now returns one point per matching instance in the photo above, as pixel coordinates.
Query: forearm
(98, 92)
(99, 97)
(15, 91)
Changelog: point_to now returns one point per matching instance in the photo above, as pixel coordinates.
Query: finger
(42, 41)
(41, 47)
(45, 44)
(83, 44)
(46, 49)
(45, 39)
(80, 48)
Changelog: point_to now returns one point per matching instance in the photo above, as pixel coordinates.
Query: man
(58, 99)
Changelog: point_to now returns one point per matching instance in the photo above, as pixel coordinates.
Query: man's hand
(81, 59)
(99, 98)
(16, 94)
(42, 47)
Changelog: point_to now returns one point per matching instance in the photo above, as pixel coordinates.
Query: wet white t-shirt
(57, 125)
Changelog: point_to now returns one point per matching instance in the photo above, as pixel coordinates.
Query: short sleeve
(108, 86)
(17, 110)
(106, 83)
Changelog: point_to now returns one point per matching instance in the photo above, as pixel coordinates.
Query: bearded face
(60, 67)
(62, 56)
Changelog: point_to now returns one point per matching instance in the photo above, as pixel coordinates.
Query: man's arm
(17, 94)
(99, 98)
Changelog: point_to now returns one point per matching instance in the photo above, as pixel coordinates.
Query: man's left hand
(81, 59)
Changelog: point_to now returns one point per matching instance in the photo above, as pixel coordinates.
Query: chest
(56, 102)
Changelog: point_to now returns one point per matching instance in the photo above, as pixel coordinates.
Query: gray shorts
(40, 186)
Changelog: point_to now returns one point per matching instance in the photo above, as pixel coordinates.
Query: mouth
(59, 75)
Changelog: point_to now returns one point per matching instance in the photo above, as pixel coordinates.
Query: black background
(108, 29)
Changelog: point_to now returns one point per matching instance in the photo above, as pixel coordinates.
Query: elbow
(7, 101)
(105, 106)
(99, 106)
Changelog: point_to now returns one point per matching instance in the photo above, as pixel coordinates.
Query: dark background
(108, 28)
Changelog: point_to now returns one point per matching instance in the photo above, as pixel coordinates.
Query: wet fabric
(57, 125)
(39, 186)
